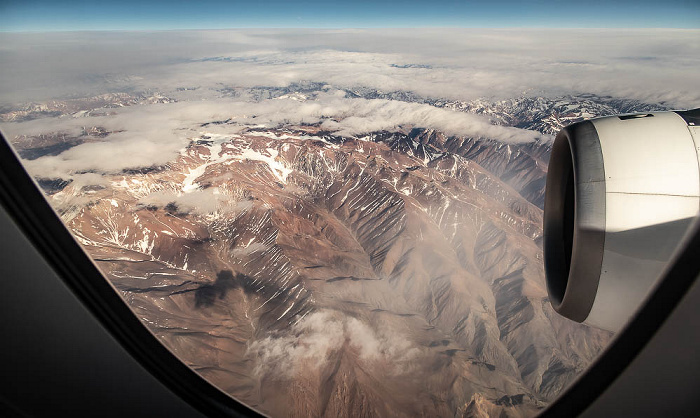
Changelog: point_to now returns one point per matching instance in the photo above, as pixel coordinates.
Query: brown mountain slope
(308, 275)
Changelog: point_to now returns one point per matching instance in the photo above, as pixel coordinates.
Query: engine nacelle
(621, 192)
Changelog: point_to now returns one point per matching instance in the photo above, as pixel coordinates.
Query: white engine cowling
(621, 192)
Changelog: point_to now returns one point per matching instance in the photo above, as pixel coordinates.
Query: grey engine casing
(621, 192)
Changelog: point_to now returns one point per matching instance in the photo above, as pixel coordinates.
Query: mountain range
(306, 273)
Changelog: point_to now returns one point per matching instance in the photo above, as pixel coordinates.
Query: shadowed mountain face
(396, 274)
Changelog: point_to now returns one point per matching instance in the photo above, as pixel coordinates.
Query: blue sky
(43, 15)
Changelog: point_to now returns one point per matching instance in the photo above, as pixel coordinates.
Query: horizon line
(355, 28)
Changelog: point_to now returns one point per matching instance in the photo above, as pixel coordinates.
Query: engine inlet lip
(574, 220)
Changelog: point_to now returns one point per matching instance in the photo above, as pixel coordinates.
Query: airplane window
(332, 222)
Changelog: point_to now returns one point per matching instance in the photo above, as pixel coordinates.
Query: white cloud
(309, 343)
(143, 136)
(148, 135)
(646, 64)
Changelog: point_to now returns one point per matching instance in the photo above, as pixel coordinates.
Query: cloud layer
(148, 135)
(652, 65)
(199, 67)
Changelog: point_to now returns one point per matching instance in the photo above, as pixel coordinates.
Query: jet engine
(621, 192)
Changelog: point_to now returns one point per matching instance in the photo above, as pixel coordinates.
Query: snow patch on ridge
(278, 169)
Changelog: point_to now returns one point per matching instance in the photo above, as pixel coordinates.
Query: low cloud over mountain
(148, 135)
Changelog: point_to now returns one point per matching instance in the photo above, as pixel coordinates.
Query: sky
(80, 15)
